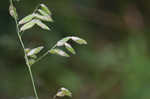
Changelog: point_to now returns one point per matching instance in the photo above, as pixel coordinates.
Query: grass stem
(25, 56)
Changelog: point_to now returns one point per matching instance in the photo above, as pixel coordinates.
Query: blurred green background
(114, 65)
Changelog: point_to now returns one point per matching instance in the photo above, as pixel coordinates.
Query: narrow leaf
(35, 51)
(44, 18)
(69, 48)
(58, 52)
(78, 40)
(45, 8)
(27, 25)
(42, 25)
(26, 19)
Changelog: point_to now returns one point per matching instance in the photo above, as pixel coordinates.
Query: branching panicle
(40, 15)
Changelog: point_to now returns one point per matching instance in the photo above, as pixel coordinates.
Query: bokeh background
(114, 65)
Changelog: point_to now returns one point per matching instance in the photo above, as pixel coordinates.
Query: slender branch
(26, 58)
(36, 8)
(41, 57)
(46, 53)
(11, 2)
(32, 79)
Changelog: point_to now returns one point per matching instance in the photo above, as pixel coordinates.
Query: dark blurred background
(114, 65)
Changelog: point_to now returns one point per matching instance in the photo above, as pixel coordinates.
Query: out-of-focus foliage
(114, 65)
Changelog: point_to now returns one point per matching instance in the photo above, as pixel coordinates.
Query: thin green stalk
(11, 2)
(32, 79)
(44, 54)
(36, 8)
(41, 57)
(25, 55)
(26, 58)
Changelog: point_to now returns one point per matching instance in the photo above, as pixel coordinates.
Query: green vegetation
(114, 65)
(41, 13)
